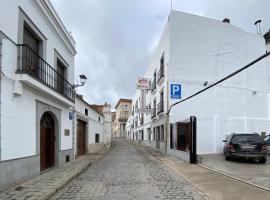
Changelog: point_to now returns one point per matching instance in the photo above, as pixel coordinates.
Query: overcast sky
(116, 38)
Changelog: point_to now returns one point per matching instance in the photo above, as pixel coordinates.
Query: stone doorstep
(31, 189)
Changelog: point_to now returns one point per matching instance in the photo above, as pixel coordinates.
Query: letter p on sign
(175, 91)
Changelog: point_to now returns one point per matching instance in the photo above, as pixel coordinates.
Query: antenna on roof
(171, 4)
(258, 26)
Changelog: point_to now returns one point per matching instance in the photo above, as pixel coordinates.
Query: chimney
(226, 20)
(258, 26)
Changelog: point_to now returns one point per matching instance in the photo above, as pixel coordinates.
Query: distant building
(193, 53)
(113, 123)
(123, 110)
(92, 125)
(107, 113)
(89, 128)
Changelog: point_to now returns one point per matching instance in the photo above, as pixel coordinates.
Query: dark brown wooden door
(47, 142)
(43, 150)
(183, 136)
(81, 138)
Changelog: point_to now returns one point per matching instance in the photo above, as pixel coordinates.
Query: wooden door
(47, 149)
(50, 146)
(81, 138)
(47, 142)
(43, 149)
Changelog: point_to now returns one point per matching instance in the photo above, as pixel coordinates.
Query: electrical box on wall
(67, 132)
(17, 88)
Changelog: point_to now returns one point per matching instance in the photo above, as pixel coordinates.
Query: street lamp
(83, 79)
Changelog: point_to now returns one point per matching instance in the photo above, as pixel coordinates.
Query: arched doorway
(47, 141)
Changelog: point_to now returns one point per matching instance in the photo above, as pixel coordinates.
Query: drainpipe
(73, 130)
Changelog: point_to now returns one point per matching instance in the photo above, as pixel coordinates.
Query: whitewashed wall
(10, 13)
(154, 65)
(18, 126)
(197, 50)
(107, 124)
(93, 124)
(207, 50)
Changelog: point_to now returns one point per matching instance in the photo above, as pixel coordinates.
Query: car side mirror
(224, 140)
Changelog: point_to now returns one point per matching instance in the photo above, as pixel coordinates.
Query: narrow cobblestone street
(129, 171)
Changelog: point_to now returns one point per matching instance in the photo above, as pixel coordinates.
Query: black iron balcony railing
(160, 73)
(123, 119)
(136, 123)
(132, 125)
(160, 107)
(153, 85)
(32, 64)
(153, 113)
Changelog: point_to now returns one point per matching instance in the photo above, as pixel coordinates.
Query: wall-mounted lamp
(254, 93)
(83, 79)
(205, 83)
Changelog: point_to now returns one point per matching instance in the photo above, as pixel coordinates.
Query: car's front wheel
(263, 160)
(228, 158)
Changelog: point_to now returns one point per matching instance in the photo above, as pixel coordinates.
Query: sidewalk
(45, 185)
(215, 185)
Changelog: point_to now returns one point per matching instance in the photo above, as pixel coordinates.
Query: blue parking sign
(175, 91)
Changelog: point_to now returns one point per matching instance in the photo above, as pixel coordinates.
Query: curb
(60, 186)
(235, 178)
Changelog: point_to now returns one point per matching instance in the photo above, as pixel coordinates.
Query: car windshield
(244, 138)
(267, 138)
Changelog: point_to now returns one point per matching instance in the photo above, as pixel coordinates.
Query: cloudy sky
(116, 38)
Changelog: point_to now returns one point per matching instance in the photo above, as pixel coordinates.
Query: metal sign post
(193, 131)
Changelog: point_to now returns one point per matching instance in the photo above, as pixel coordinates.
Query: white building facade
(37, 98)
(91, 128)
(195, 52)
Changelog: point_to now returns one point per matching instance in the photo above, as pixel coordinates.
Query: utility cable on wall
(221, 80)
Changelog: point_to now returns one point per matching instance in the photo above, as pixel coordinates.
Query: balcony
(153, 85)
(132, 125)
(153, 113)
(160, 107)
(136, 123)
(122, 119)
(36, 67)
(160, 75)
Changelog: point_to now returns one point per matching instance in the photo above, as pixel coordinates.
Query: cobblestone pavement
(48, 183)
(129, 171)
